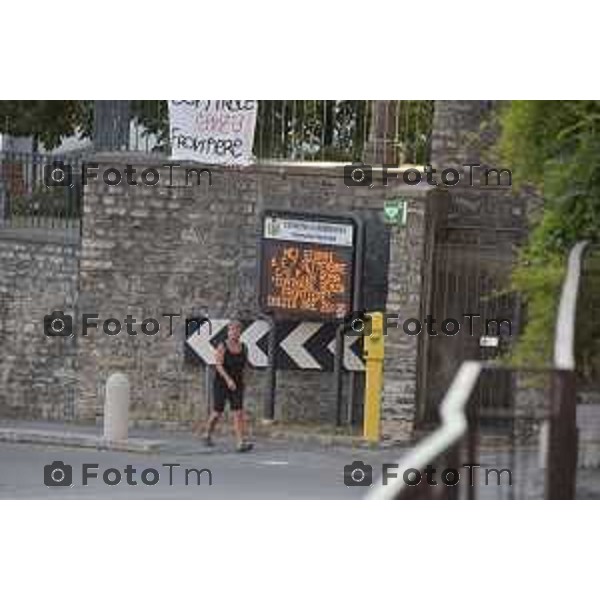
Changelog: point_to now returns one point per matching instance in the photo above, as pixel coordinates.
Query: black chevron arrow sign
(304, 345)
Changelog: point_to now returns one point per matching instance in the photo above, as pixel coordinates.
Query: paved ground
(276, 469)
(272, 471)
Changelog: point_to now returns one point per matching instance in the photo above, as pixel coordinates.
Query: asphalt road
(271, 471)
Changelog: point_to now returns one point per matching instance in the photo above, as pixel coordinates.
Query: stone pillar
(457, 136)
(409, 281)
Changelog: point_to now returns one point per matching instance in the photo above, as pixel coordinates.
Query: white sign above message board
(212, 131)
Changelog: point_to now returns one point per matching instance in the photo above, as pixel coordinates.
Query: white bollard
(116, 408)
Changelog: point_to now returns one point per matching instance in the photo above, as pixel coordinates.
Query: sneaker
(245, 446)
(208, 441)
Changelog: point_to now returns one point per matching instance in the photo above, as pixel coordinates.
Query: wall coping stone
(334, 170)
(42, 235)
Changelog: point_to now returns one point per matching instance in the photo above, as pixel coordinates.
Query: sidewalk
(80, 436)
(156, 440)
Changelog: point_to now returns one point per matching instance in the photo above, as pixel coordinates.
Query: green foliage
(539, 283)
(588, 326)
(48, 121)
(554, 145)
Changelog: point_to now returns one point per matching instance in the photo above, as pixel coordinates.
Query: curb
(327, 440)
(19, 435)
(77, 440)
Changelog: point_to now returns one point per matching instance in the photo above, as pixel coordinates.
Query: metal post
(351, 397)
(561, 469)
(473, 443)
(209, 377)
(337, 372)
(451, 492)
(356, 305)
(269, 404)
(374, 354)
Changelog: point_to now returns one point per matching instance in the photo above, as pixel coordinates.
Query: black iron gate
(469, 283)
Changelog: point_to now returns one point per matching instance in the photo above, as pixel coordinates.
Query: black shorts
(223, 394)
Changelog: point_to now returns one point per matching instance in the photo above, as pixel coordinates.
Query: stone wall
(38, 273)
(148, 251)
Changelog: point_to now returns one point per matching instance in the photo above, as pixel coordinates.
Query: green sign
(394, 211)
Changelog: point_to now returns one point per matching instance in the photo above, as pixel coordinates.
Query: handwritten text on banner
(213, 131)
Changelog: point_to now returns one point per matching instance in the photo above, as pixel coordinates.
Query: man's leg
(210, 427)
(212, 423)
(198, 426)
(237, 409)
(218, 408)
(238, 425)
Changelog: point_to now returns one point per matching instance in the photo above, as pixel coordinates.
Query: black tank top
(234, 365)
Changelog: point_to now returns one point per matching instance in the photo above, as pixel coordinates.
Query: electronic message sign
(307, 266)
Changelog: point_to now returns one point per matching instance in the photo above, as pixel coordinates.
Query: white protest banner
(213, 131)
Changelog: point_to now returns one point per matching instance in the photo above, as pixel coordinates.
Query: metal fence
(392, 131)
(40, 190)
(532, 434)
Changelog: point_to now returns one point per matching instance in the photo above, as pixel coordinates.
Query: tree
(47, 121)
(50, 121)
(554, 145)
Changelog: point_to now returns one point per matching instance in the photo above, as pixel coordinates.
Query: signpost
(310, 271)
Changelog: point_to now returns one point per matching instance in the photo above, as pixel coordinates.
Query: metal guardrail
(562, 435)
(564, 346)
(452, 430)
(458, 413)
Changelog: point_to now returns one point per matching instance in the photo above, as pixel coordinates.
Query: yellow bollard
(373, 354)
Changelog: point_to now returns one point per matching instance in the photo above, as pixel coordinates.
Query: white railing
(564, 345)
(452, 429)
